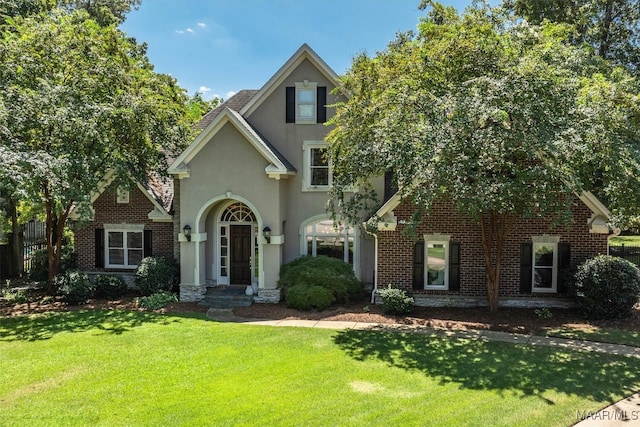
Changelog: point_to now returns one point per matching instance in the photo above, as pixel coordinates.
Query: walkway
(623, 413)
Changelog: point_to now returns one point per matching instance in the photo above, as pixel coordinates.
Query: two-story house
(250, 194)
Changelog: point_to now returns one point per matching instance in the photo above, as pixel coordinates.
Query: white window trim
(436, 239)
(307, 146)
(123, 228)
(545, 240)
(312, 86)
(355, 234)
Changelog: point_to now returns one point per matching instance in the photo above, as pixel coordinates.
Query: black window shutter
(291, 105)
(321, 107)
(564, 263)
(454, 266)
(99, 242)
(526, 266)
(147, 243)
(418, 265)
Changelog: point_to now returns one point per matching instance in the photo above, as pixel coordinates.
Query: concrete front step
(226, 297)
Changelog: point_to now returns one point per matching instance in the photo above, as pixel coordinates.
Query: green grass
(608, 335)
(115, 368)
(624, 240)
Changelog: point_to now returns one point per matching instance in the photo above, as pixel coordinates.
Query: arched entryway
(237, 248)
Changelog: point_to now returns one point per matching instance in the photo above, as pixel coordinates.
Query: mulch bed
(518, 320)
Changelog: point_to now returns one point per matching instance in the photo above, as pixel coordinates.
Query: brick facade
(108, 211)
(395, 249)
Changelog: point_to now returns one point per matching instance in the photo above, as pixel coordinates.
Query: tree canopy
(496, 116)
(612, 27)
(83, 100)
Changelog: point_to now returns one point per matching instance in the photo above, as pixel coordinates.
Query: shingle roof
(161, 189)
(235, 103)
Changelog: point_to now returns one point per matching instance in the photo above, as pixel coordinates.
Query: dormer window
(306, 103)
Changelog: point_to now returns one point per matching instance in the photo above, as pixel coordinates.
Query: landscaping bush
(156, 274)
(75, 286)
(156, 301)
(607, 287)
(109, 286)
(329, 273)
(39, 270)
(396, 301)
(14, 296)
(305, 297)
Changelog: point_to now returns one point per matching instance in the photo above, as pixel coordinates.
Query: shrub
(110, 286)
(329, 273)
(396, 301)
(305, 297)
(156, 301)
(39, 270)
(156, 274)
(607, 287)
(75, 286)
(14, 296)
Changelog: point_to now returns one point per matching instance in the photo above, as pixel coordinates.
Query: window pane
(436, 264)
(543, 277)
(306, 111)
(134, 240)
(320, 176)
(135, 256)
(116, 239)
(116, 256)
(544, 256)
(306, 96)
(310, 246)
(318, 157)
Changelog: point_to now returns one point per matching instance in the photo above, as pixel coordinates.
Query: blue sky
(218, 47)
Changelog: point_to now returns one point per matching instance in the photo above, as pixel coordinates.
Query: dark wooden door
(241, 251)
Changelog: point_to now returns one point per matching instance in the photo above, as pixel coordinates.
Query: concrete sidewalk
(623, 413)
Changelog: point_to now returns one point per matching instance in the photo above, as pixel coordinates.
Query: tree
(83, 100)
(499, 118)
(612, 27)
(197, 106)
(105, 12)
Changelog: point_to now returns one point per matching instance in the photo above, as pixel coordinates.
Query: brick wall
(107, 211)
(395, 249)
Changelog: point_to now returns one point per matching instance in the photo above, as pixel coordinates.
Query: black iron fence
(626, 251)
(34, 233)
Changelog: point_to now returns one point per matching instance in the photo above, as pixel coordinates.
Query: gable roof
(304, 52)
(385, 220)
(235, 103)
(158, 189)
(279, 166)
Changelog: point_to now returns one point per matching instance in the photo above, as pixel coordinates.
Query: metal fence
(628, 252)
(34, 239)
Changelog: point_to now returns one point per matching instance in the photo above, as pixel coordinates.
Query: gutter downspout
(375, 264)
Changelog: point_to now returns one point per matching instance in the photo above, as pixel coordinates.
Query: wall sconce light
(266, 232)
(187, 232)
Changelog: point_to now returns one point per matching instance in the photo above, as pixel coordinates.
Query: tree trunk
(607, 19)
(15, 263)
(494, 229)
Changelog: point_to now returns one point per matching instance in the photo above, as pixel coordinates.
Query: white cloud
(230, 94)
(180, 31)
(204, 89)
(202, 25)
(189, 30)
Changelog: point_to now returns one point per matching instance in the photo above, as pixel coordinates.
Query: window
(306, 103)
(323, 238)
(545, 265)
(124, 246)
(436, 249)
(317, 169)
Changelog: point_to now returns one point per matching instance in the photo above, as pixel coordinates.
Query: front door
(241, 249)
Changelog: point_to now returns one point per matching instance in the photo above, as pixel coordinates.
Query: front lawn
(116, 368)
(608, 335)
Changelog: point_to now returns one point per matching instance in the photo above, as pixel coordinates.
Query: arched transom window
(324, 238)
(238, 212)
